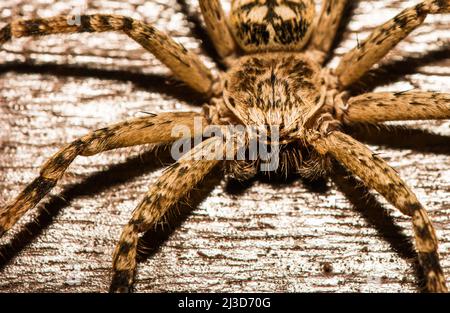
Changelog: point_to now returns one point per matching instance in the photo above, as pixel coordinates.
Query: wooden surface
(290, 236)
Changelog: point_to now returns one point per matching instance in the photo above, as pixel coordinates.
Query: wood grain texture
(328, 236)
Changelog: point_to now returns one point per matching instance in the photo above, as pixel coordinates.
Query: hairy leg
(175, 183)
(377, 174)
(184, 64)
(217, 27)
(387, 106)
(149, 129)
(358, 61)
(327, 26)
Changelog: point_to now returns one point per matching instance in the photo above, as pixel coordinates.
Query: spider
(274, 52)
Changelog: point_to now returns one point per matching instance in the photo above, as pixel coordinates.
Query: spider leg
(358, 61)
(377, 174)
(386, 106)
(184, 64)
(327, 26)
(149, 129)
(217, 27)
(175, 183)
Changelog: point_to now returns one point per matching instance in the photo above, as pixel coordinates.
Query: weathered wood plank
(270, 236)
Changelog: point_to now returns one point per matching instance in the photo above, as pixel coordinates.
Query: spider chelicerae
(274, 54)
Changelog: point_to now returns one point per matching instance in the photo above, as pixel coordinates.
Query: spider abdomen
(272, 25)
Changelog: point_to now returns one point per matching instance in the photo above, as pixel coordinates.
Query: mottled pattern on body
(261, 25)
(387, 106)
(273, 89)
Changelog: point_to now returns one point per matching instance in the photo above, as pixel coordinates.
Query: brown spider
(274, 51)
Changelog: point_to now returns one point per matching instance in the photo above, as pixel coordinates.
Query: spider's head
(272, 25)
(274, 89)
(276, 92)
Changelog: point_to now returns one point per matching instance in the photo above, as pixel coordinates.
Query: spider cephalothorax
(280, 89)
(274, 89)
(270, 84)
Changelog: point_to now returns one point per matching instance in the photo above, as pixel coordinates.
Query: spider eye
(231, 101)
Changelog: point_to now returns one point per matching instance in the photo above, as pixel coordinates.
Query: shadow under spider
(400, 137)
(235, 187)
(152, 240)
(362, 201)
(377, 216)
(391, 71)
(118, 174)
(198, 31)
(94, 184)
(148, 82)
(343, 25)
